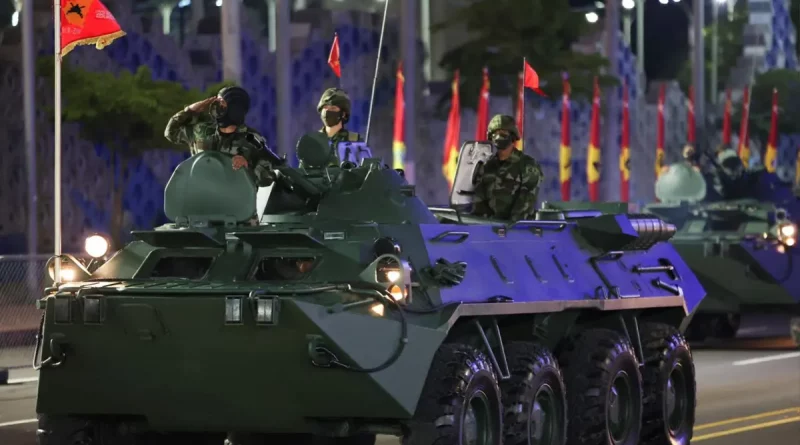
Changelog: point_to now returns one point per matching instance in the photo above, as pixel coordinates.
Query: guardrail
(22, 281)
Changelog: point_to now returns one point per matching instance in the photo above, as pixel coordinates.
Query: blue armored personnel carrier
(353, 309)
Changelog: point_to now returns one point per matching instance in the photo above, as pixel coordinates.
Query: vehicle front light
(787, 234)
(71, 269)
(96, 246)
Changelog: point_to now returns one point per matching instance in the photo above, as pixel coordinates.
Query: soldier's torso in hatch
(502, 187)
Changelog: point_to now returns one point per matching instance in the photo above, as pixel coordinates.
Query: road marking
(18, 422)
(757, 426)
(22, 380)
(768, 358)
(780, 412)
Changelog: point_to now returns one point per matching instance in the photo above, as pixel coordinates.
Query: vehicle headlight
(787, 234)
(71, 269)
(96, 246)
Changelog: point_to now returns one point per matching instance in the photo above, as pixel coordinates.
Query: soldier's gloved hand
(239, 162)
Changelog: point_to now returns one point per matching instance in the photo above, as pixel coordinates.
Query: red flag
(452, 136)
(771, 157)
(660, 135)
(531, 79)
(333, 57)
(399, 141)
(625, 150)
(726, 119)
(482, 122)
(690, 126)
(593, 152)
(565, 152)
(87, 22)
(520, 111)
(744, 132)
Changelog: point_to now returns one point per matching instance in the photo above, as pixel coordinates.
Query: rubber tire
(531, 366)
(664, 347)
(589, 361)
(456, 373)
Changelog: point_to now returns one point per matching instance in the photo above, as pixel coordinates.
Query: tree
(787, 83)
(505, 31)
(730, 49)
(126, 113)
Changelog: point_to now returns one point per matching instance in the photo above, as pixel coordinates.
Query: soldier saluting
(217, 124)
(508, 184)
(334, 110)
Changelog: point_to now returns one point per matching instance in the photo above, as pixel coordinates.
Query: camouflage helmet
(503, 122)
(336, 97)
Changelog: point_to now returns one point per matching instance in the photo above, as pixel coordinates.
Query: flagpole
(57, 140)
(377, 67)
(522, 98)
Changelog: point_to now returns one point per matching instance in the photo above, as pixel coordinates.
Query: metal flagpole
(377, 67)
(522, 108)
(57, 138)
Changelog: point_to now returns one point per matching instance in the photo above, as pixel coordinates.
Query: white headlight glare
(393, 275)
(96, 246)
(67, 274)
(790, 241)
(788, 231)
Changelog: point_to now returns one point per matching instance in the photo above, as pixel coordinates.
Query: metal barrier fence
(22, 281)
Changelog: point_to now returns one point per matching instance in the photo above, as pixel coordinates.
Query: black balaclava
(330, 118)
(238, 104)
(502, 142)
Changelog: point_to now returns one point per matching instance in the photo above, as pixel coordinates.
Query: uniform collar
(240, 129)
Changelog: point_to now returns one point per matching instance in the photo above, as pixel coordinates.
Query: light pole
(640, 36)
(626, 20)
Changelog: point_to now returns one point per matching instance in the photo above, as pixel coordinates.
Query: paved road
(745, 397)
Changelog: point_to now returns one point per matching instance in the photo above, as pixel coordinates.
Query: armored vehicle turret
(739, 243)
(354, 310)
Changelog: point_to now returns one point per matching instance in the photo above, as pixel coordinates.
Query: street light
(663, 2)
(592, 17)
(628, 4)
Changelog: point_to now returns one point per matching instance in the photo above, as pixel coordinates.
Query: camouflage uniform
(200, 132)
(337, 97)
(507, 189)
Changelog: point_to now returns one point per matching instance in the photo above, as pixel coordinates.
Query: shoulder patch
(353, 137)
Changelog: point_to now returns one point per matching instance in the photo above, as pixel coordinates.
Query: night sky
(665, 36)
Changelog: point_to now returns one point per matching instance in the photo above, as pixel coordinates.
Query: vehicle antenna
(377, 66)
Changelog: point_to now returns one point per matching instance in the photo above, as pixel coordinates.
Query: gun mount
(351, 285)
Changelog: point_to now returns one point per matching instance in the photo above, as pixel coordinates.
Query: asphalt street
(746, 396)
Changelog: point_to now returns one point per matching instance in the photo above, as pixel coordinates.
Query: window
(284, 268)
(188, 267)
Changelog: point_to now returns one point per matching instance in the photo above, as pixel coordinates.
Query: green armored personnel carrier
(354, 310)
(742, 250)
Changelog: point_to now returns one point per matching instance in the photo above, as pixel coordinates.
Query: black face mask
(331, 118)
(233, 114)
(502, 142)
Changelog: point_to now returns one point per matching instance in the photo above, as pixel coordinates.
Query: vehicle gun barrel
(651, 229)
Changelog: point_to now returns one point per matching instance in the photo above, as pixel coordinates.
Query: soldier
(334, 109)
(217, 123)
(508, 184)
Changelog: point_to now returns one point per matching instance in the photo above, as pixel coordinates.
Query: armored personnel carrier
(742, 250)
(354, 310)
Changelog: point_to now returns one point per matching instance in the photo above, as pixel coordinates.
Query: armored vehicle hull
(742, 250)
(341, 321)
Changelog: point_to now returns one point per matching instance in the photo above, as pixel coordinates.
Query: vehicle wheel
(725, 326)
(534, 397)
(460, 402)
(604, 389)
(669, 386)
